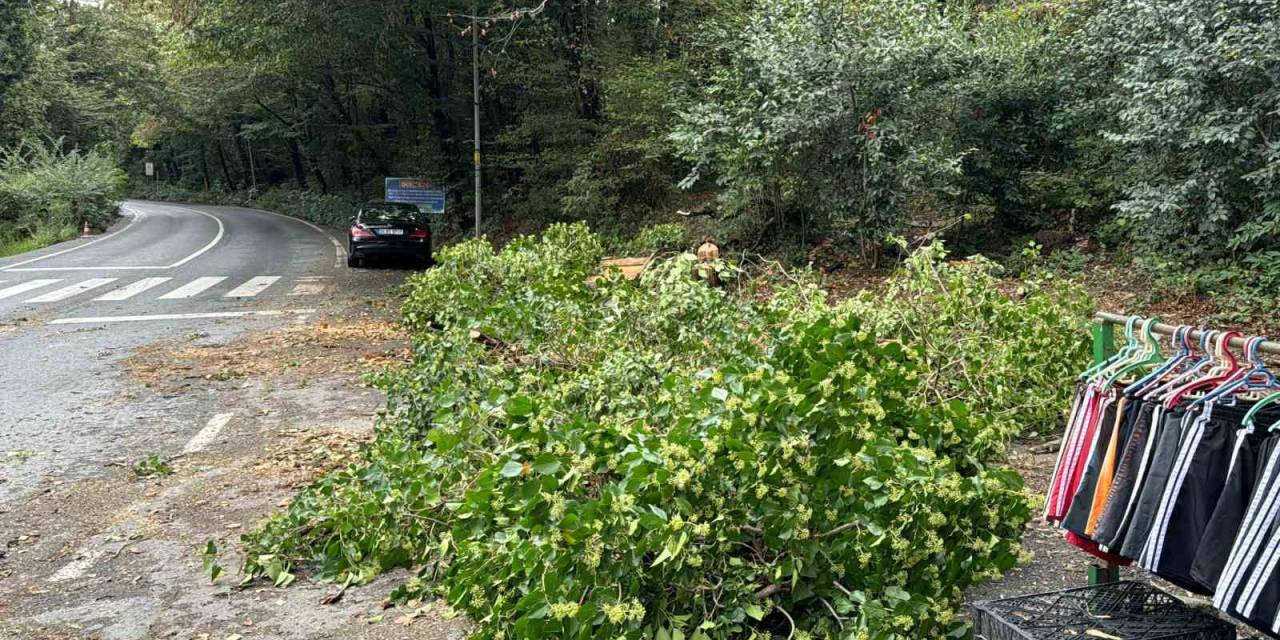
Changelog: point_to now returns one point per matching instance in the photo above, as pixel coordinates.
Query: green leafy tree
(1187, 97)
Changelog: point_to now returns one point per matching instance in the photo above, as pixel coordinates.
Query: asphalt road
(69, 311)
(113, 350)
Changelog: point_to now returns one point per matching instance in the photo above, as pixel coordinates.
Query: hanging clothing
(1185, 490)
(1130, 471)
(1251, 451)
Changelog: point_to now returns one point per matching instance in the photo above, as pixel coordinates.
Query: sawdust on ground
(324, 348)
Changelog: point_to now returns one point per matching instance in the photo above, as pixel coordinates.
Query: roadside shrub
(666, 459)
(45, 190)
(1188, 110)
(653, 239)
(323, 209)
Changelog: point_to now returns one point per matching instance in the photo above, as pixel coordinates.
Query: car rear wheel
(354, 261)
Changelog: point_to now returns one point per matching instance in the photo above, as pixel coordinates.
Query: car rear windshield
(391, 213)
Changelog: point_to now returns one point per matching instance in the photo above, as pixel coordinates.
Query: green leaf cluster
(662, 459)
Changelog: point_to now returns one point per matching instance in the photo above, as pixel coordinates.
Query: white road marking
(179, 316)
(72, 290)
(308, 289)
(132, 268)
(25, 287)
(252, 287)
(129, 291)
(340, 253)
(136, 216)
(212, 243)
(206, 435)
(78, 567)
(192, 288)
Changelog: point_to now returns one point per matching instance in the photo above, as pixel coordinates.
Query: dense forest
(1148, 125)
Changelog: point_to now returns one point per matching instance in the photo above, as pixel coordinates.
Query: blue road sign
(416, 191)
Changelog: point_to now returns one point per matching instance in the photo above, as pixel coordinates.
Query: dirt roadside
(116, 556)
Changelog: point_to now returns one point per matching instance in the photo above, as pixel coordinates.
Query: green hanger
(1149, 355)
(1123, 353)
(1253, 412)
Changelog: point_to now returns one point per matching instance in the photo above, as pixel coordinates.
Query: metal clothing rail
(1107, 321)
(1103, 348)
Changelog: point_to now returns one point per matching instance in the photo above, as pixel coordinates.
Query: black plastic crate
(1122, 610)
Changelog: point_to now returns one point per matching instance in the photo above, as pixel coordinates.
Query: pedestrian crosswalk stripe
(71, 290)
(193, 288)
(24, 287)
(131, 290)
(308, 289)
(253, 287)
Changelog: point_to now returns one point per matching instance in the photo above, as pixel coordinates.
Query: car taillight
(360, 232)
(419, 234)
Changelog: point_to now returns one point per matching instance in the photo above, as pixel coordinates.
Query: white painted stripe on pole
(131, 290)
(193, 288)
(179, 316)
(252, 287)
(308, 289)
(30, 285)
(206, 435)
(72, 290)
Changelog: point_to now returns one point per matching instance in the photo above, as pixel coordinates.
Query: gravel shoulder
(101, 552)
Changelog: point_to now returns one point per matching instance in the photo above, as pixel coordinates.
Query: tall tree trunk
(222, 160)
(429, 77)
(204, 165)
(576, 24)
(330, 87)
(295, 160)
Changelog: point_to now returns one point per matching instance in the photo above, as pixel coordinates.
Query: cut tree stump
(631, 268)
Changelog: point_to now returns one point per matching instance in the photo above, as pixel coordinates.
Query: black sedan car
(389, 229)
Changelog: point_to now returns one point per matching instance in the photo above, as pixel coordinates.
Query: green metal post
(1104, 341)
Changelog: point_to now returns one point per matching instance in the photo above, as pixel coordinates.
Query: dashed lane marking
(30, 285)
(129, 291)
(180, 316)
(206, 435)
(308, 289)
(77, 568)
(193, 288)
(252, 287)
(72, 290)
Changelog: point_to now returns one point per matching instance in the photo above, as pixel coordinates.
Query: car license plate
(390, 232)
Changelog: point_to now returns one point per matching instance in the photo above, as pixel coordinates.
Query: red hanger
(1224, 354)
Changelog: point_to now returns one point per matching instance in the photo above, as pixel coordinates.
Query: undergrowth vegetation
(665, 459)
(47, 193)
(323, 209)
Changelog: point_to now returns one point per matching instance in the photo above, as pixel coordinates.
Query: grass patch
(38, 240)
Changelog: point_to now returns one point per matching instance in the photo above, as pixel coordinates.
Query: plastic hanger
(1149, 356)
(1134, 349)
(1216, 376)
(1181, 340)
(1122, 353)
(1160, 389)
(1252, 415)
(1242, 379)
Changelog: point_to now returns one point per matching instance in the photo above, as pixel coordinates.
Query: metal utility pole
(475, 101)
